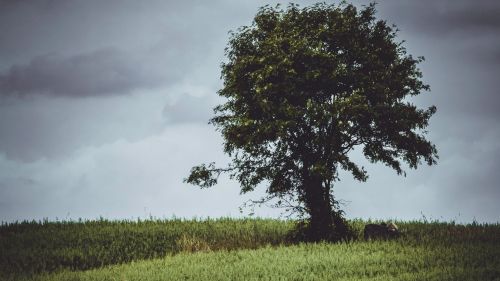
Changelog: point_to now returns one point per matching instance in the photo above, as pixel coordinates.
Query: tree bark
(317, 199)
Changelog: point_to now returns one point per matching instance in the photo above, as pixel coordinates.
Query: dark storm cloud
(102, 72)
(461, 30)
(445, 17)
(96, 48)
(460, 42)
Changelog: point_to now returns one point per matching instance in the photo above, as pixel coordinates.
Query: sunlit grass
(346, 261)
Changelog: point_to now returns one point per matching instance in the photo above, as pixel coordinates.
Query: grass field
(228, 249)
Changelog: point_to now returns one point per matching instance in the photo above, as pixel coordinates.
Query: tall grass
(353, 261)
(426, 251)
(32, 247)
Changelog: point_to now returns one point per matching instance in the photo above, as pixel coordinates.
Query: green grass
(348, 261)
(427, 251)
(33, 247)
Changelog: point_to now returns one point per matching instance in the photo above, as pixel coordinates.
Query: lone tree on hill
(304, 87)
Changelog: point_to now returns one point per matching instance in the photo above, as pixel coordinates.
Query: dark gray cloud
(100, 48)
(463, 30)
(444, 17)
(460, 42)
(102, 72)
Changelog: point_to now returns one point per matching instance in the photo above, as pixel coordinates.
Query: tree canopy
(303, 87)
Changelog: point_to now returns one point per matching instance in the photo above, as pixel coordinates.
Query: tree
(303, 88)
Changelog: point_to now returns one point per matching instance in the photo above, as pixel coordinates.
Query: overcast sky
(104, 108)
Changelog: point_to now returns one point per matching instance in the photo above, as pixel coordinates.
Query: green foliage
(428, 251)
(31, 247)
(314, 83)
(306, 86)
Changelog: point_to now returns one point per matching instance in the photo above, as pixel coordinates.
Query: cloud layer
(102, 72)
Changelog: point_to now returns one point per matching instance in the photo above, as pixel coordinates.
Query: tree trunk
(317, 199)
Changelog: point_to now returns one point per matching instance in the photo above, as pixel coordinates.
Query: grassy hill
(250, 249)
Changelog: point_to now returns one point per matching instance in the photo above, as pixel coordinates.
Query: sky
(104, 108)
